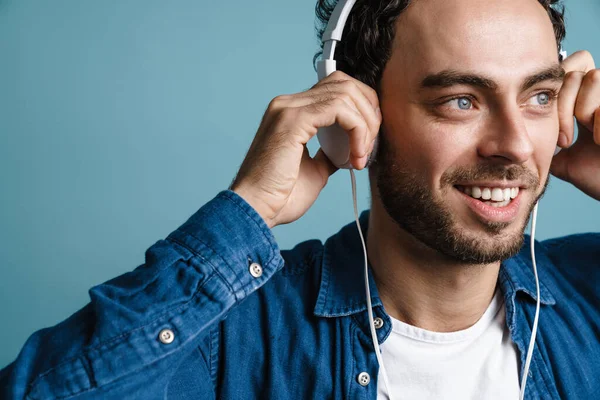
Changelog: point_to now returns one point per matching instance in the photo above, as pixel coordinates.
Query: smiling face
(470, 123)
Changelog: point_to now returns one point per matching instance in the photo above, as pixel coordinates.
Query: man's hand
(278, 178)
(579, 96)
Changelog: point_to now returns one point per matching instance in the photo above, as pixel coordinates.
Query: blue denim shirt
(294, 328)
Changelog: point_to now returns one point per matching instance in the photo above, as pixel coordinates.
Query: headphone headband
(338, 18)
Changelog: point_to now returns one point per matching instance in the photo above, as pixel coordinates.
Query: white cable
(537, 307)
(368, 292)
(564, 54)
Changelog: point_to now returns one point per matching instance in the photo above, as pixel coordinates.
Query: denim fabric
(298, 331)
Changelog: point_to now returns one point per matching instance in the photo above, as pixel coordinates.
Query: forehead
(495, 37)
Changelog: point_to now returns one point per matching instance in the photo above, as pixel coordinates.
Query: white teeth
(486, 194)
(497, 194)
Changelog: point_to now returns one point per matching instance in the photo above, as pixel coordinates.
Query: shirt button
(256, 270)
(364, 379)
(378, 322)
(166, 336)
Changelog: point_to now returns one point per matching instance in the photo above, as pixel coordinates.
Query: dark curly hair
(370, 29)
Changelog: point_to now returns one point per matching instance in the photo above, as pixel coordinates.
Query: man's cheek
(545, 142)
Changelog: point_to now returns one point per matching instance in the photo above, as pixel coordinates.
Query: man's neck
(421, 287)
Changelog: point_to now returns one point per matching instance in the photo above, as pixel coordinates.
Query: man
(470, 101)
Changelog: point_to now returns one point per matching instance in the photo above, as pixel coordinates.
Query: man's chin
(492, 247)
(483, 241)
(457, 233)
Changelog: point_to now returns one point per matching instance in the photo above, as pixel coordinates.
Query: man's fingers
(588, 99)
(368, 92)
(374, 113)
(352, 95)
(567, 99)
(576, 67)
(328, 113)
(375, 118)
(365, 102)
(581, 61)
(337, 99)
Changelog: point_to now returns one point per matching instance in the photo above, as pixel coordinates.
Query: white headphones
(333, 139)
(334, 142)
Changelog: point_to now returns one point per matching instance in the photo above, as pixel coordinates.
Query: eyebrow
(555, 73)
(449, 78)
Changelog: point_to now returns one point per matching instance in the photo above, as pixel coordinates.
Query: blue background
(119, 119)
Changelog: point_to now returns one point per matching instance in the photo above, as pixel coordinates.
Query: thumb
(325, 166)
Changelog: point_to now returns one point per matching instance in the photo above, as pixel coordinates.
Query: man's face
(469, 110)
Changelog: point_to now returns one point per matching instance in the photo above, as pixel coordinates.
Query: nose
(507, 140)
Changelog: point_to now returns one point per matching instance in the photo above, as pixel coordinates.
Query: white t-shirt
(479, 362)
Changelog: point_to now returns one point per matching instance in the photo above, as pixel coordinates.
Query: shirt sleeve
(139, 326)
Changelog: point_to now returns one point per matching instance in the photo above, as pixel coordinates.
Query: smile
(492, 204)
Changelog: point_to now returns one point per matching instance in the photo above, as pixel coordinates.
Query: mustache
(491, 172)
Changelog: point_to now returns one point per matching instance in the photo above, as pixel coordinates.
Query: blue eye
(543, 98)
(463, 103)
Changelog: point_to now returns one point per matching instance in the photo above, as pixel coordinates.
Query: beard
(411, 204)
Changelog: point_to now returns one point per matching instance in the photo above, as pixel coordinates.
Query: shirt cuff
(234, 240)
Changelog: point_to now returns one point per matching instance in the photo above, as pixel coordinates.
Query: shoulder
(575, 260)
(581, 249)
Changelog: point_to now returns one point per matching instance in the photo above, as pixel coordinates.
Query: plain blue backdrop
(119, 119)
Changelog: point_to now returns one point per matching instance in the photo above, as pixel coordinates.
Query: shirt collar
(342, 289)
(516, 275)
